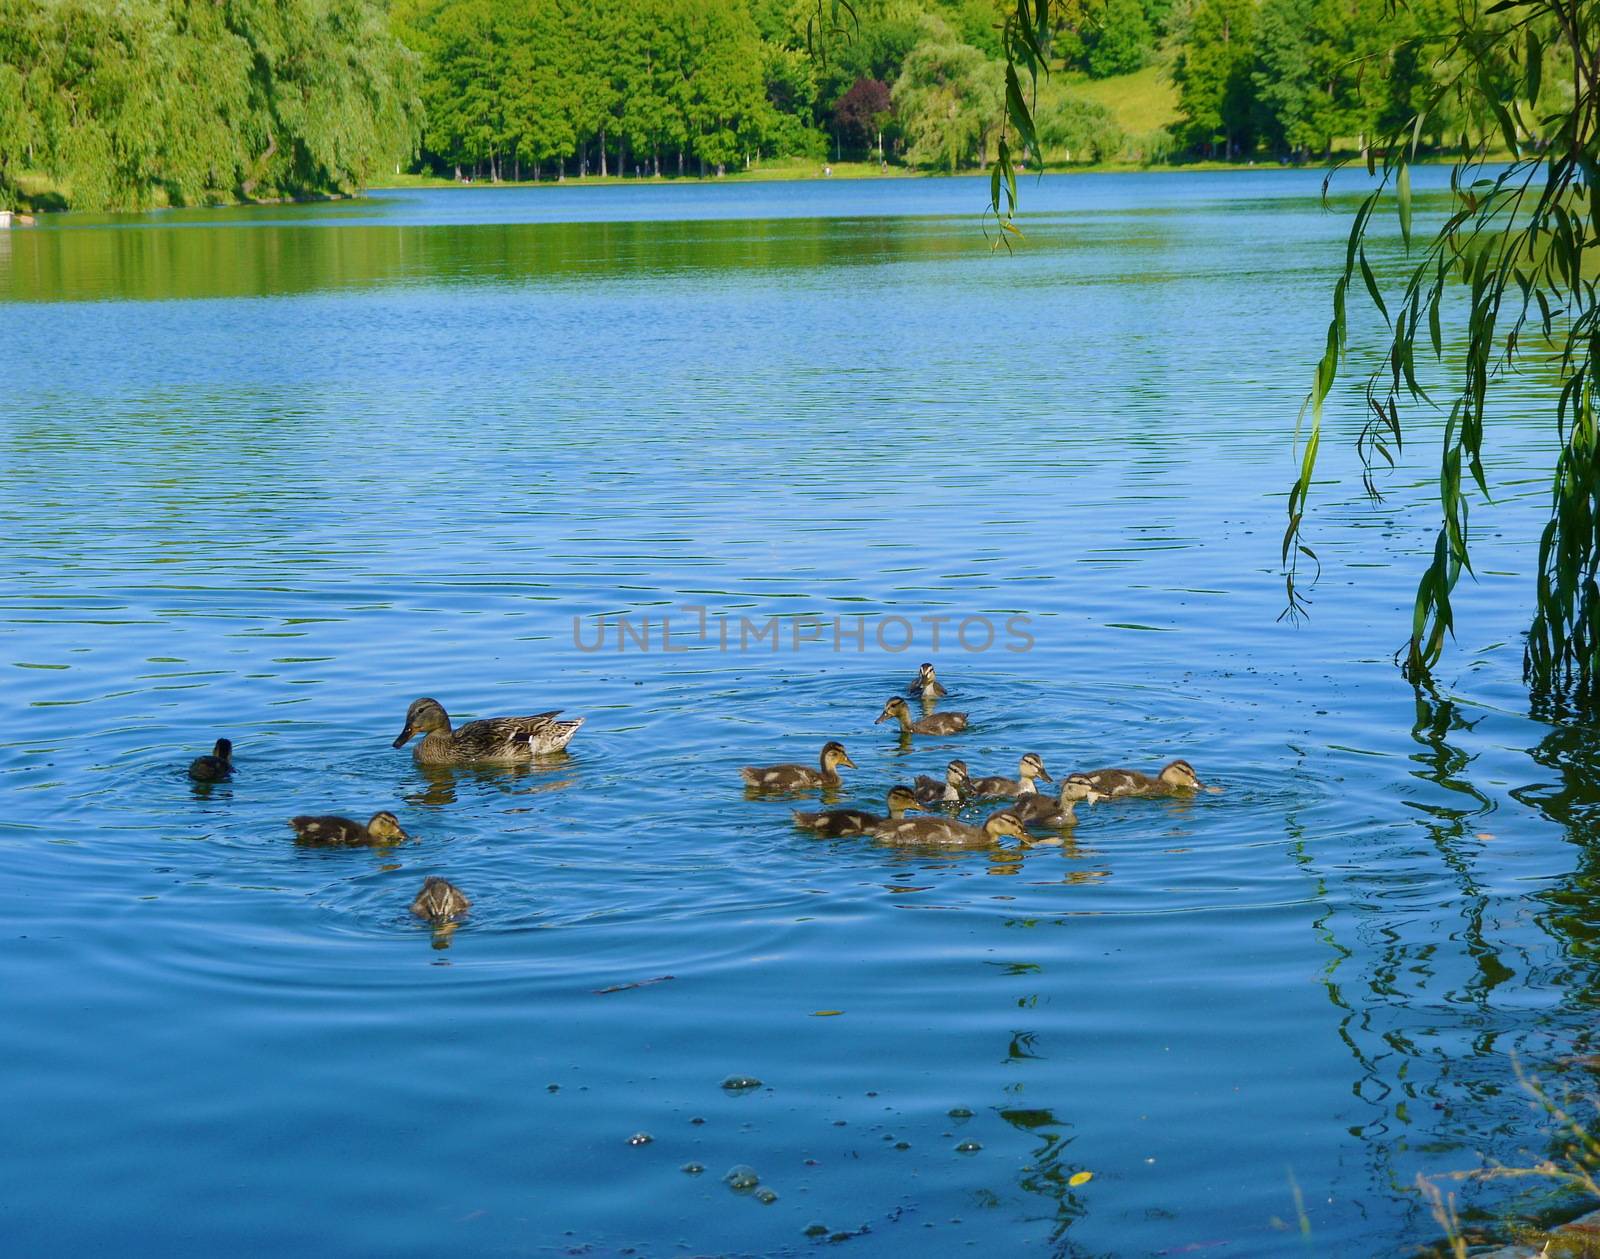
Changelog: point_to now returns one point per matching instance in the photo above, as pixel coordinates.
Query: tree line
(130, 103)
(125, 104)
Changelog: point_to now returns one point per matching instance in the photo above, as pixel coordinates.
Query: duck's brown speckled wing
(513, 738)
(1118, 782)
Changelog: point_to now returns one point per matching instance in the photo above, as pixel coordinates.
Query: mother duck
(493, 740)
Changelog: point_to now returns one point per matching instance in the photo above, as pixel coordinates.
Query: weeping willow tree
(1508, 270)
(1507, 280)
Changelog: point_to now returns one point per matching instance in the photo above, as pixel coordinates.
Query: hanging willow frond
(1513, 247)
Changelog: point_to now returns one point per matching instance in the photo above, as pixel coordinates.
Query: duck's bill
(882, 717)
(405, 734)
(845, 760)
(1044, 774)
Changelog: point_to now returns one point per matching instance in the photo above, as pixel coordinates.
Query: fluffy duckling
(1028, 769)
(342, 832)
(836, 823)
(926, 685)
(493, 740)
(1037, 809)
(1176, 778)
(944, 832)
(440, 900)
(934, 723)
(207, 769)
(799, 777)
(950, 791)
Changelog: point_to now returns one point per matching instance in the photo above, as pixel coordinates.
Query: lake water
(273, 473)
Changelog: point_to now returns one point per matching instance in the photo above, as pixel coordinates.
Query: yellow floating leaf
(1080, 1178)
(825, 1014)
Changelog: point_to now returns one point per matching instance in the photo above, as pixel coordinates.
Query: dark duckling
(926, 685)
(208, 769)
(799, 777)
(946, 832)
(440, 900)
(1037, 809)
(1030, 768)
(934, 723)
(1176, 778)
(950, 791)
(836, 823)
(342, 832)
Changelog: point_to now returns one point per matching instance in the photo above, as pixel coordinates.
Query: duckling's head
(902, 800)
(223, 750)
(1033, 767)
(1076, 787)
(956, 773)
(386, 826)
(894, 709)
(423, 717)
(1181, 774)
(925, 674)
(834, 755)
(1005, 822)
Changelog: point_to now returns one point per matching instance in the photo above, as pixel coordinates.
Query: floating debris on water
(640, 1138)
(740, 1083)
(1080, 1178)
(638, 983)
(816, 1230)
(741, 1178)
(968, 1147)
(692, 1169)
(959, 1112)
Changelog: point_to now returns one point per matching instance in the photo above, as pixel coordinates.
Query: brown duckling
(491, 741)
(836, 823)
(926, 685)
(219, 764)
(440, 900)
(944, 832)
(1028, 769)
(950, 791)
(1037, 809)
(1176, 778)
(799, 777)
(342, 832)
(933, 723)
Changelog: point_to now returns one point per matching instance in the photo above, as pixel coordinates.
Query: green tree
(950, 100)
(1213, 74)
(1120, 42)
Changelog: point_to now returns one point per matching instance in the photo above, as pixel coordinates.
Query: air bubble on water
(692, 1169)
(640, 1138)
(741, 1177)
(766, 1197)
(739, 1083)
(959, 1112)
(968, 1147)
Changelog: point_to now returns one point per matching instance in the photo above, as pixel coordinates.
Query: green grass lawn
(1140, 102)
(769, 169)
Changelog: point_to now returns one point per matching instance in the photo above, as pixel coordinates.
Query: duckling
(440, 900)
(950, 791)
(493, 740)
(799, 777)
(206, 769)
(342, 832)
(1028, 769)
(836, 823)
(946, 832)
(934, 723)
(1038, 809)
(926, 684)
(1174, 779)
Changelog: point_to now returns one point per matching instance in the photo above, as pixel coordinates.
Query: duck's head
(423, 717)
(956, 774)
(1181, 774)
(223, 749)
(834, 755)
(1076, 787)
(925, 675)
(895, 709)
(902, 800)
(1033, 767)
(386, 826)
(1005, 822)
